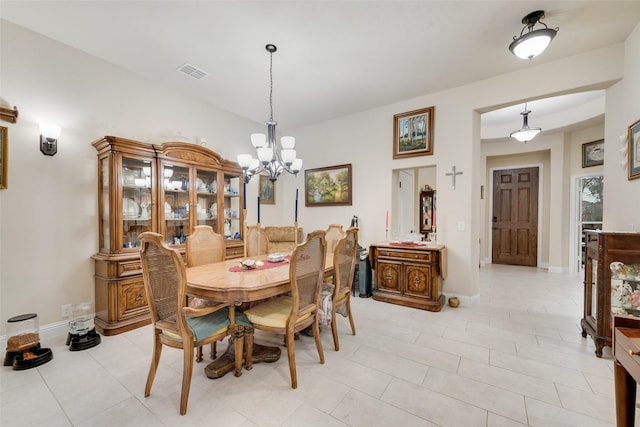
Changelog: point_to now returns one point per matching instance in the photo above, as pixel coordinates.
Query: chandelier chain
(272, 158)
(271, 85)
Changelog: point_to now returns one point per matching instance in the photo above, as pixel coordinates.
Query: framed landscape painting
(413, 133)
(267, 191)
(330, 186)
(593, 153)
(3, 156)
(633, 150)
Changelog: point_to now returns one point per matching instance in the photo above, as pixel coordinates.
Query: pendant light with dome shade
(526, 133)
(534, 42)
(272, 160)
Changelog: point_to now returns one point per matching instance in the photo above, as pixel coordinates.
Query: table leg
(237, 335)
(227, 362)
(248, 347)
(625, 396)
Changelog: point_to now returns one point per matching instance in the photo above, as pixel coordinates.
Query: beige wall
(48, 222)
(623, 109)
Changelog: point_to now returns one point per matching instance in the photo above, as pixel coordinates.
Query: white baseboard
(560, 270)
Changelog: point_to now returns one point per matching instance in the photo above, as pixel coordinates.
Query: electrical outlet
(65, 310)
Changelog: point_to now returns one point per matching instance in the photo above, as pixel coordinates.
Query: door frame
(574, 238)
(405, 199)
(540, 167)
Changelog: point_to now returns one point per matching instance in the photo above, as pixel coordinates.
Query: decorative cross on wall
(453, 175)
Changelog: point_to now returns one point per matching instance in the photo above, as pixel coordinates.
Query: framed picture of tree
(413, 133)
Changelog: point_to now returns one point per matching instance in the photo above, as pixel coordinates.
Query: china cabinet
(603, 249)
(166, 188)
(409, 274)
(427, 210)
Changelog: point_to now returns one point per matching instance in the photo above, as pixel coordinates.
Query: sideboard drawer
(129, 268)
(405, 255)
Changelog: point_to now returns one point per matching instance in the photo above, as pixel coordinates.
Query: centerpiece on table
(250, 264)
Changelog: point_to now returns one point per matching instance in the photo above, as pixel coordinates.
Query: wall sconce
(49, 134)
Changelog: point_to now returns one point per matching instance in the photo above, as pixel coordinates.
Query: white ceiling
(334, 57)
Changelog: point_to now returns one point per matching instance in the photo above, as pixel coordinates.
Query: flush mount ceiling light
(525, 134)
(534, 42)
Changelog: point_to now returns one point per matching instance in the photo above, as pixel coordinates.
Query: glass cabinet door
(232, 207)
(206, 198)
(594, 287)
(104, 204)
(176, 202)
(427, 211)
(137, 200)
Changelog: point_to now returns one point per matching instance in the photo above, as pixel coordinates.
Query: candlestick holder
(386, 235)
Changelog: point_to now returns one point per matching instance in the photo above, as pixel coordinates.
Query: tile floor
(516, 358)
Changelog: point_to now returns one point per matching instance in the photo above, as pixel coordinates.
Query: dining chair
(289, 314)
(204, 246)
(255, 241)
(333, 233)
(336, 296)
(175, 324)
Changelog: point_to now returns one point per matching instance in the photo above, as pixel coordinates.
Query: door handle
(495, 219)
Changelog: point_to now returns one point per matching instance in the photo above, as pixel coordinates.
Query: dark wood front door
(515, 217)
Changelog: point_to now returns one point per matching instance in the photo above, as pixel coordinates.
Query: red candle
(386, 224)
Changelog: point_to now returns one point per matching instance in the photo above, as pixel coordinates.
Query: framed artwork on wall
(4, 142)
(330, 186)
(267, 190)
(593, 153)
(633, 150)
(413, 133)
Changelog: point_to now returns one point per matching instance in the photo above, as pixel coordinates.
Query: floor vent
(192, 71)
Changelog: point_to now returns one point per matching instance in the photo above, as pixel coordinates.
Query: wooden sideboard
(603, 248)
(409, 275)
(626, 367)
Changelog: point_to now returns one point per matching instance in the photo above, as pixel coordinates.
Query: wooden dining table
(218, 283)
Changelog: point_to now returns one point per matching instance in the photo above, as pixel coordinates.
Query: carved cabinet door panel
(389, 277)
(417, 280)
(132, 298)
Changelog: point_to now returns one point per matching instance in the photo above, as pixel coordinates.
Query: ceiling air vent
(192, 71)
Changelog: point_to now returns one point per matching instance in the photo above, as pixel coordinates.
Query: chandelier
(534, 42)
(272, 160)
(527, 133)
